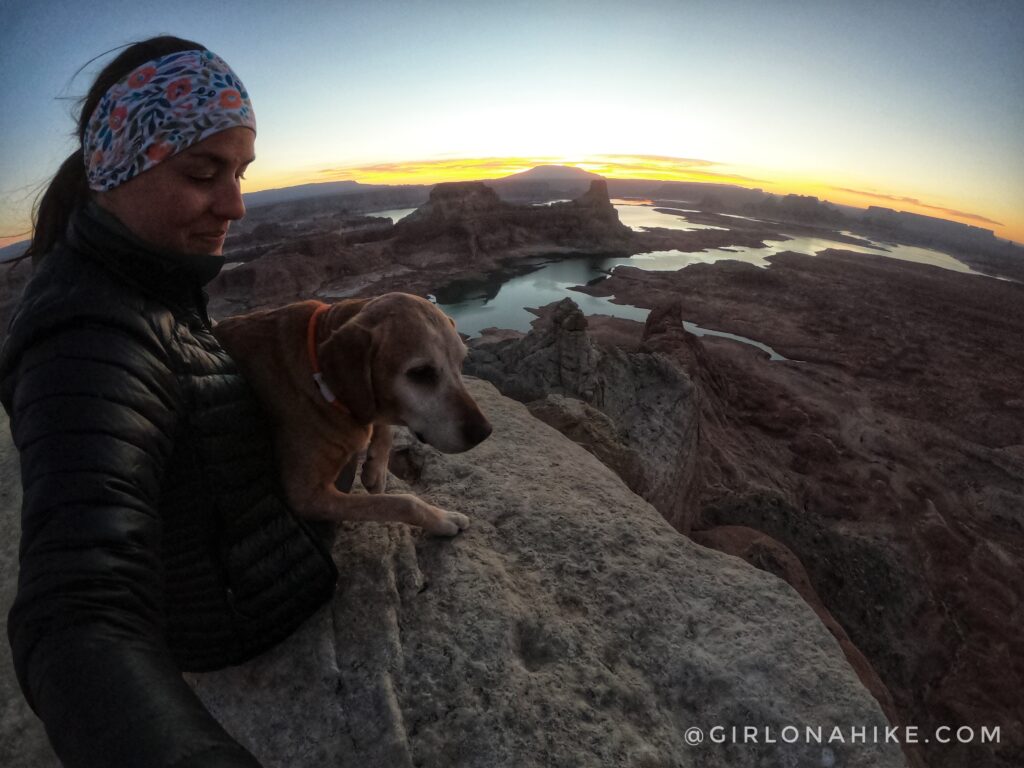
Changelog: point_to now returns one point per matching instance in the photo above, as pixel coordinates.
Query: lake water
(636, 217)
(639, 214)
(395, 214)
(811, 246)
(500, 300)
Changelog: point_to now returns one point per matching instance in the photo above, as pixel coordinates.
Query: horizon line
(672, 170)
(640, 166)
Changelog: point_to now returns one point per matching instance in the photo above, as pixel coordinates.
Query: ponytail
(68, 190)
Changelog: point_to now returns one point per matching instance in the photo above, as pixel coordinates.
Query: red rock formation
(638, 412)
(767, 554)
(890, 461)
(469, 220)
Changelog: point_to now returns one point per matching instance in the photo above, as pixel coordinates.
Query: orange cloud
(918, 204)
(433, 171)
(664, 168)
(661, 167)
(6, 240)
(631, 166)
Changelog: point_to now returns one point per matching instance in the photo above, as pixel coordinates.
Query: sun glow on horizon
(914, 106)
(655, 167)
(435, 171)
(1007, 225)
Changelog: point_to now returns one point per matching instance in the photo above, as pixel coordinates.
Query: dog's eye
(424, 375)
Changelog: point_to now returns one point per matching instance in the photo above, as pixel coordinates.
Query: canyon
(878, 470)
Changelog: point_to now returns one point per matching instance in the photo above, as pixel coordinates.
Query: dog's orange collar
(314, 361)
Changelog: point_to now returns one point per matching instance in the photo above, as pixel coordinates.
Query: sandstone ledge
(570, 626)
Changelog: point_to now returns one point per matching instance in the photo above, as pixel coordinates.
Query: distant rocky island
(976, 245)
(310, 230)
(878, 469)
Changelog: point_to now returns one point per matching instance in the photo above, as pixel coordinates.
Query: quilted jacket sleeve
(93, 413)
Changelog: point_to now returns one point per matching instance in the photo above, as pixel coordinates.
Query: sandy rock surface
(569, 626)
(887, 454)
(637, 412)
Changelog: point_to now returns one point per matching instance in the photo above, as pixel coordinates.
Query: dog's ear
(347, 367)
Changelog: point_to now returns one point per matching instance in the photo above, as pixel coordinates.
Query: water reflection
(395, 214)
(638, 216)
(499, 300)
(696, 330)
(809, 246)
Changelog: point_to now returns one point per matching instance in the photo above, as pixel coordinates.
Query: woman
(154, 537)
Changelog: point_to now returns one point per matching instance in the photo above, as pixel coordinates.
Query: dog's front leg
(308, 470)
(331, 504)
(378, 454)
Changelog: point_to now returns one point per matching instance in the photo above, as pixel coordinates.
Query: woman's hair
(69, 188)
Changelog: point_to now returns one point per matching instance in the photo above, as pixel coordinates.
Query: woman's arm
(93, 413)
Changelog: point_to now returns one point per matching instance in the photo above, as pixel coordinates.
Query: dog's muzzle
(475, 432)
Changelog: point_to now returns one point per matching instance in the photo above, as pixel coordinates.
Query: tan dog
(392, 360)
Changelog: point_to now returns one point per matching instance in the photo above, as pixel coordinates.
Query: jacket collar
(172, 276)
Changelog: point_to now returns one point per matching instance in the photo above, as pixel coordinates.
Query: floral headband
(161, 108)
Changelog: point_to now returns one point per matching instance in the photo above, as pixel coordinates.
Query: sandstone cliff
(569, 626)
(876, 498)
(891, 462)
(469, 219)
(463, 230)
(638, 412)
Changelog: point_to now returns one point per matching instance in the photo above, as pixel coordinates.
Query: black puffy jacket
(154, 534)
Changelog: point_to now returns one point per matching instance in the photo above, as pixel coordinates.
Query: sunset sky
(917, 106)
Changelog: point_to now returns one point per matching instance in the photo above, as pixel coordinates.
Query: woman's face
(187, 202)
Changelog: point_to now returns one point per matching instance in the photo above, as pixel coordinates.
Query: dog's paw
(375, 482)
(449, 523)
(374, 477)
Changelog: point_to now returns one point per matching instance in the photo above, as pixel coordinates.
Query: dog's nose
(476, 432)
